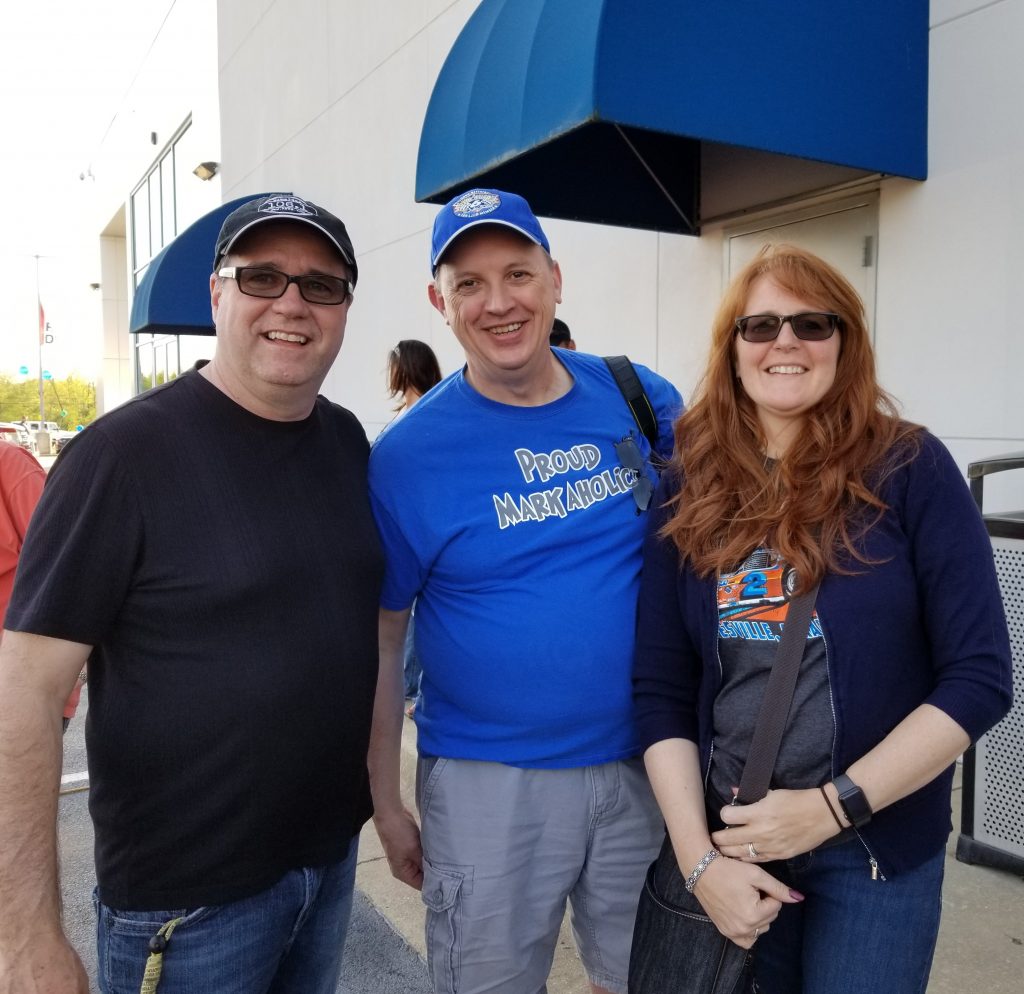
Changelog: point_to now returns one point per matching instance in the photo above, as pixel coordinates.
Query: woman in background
(793, 467)
(412, 370)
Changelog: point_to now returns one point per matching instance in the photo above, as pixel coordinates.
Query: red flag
(42, 324)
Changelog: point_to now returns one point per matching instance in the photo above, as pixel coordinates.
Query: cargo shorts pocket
(444, 887)
(428, 772)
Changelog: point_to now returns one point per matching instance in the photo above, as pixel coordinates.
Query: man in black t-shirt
(209, 549)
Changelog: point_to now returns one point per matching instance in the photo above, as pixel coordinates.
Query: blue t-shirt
(516, 532)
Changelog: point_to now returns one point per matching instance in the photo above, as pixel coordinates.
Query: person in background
(522, 473)
(21, 485)
(793, 467)
(412, 370)
(560, 336)
(71, 705)
(209, 547)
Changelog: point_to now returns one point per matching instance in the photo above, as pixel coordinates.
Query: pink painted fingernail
(795, 894)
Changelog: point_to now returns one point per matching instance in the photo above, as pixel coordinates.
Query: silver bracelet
(706, 861)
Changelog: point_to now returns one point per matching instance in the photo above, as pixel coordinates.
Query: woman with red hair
(792, 468)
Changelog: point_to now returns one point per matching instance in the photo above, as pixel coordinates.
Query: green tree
(68, 402)
(161, 378)
(18, 399)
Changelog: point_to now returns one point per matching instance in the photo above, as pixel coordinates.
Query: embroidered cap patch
(475, 203)
(281, 204)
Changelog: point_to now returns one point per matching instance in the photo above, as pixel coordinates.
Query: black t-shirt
(227, 570)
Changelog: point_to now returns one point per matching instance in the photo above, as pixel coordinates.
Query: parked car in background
(50, 426)
(60, 439)
(47, 436)
(18, 434)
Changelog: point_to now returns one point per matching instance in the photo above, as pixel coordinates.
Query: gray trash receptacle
(992, 813)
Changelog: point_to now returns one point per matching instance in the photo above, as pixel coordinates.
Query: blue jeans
(287, 939)
(852, 934)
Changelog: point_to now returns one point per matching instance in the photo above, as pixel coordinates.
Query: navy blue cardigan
(923, 623)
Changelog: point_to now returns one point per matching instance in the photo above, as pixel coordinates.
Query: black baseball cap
(284, 207)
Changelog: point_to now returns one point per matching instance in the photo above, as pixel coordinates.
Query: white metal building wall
(327, 98)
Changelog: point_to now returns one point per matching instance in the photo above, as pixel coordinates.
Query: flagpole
(42, 331)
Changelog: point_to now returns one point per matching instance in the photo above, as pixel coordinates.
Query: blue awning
(599, 111)
(173, 296)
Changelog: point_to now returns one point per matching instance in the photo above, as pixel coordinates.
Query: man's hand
(400, 836)
(45, 964)
(396, 827)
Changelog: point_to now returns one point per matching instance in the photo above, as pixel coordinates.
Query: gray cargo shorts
(504, 848)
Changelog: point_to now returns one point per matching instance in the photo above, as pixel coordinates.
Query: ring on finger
(753, 852)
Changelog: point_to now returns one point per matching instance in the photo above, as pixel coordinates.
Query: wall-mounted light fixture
(207, 170)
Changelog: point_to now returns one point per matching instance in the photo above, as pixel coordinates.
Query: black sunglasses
(808, 326)
(630, 458)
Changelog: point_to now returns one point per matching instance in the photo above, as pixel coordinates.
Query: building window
(155, 219)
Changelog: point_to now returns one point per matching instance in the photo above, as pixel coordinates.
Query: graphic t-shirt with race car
(752, 603)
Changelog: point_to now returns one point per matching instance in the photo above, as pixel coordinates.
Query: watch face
(854, 803)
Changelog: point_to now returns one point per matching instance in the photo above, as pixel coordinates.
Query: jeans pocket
(150, 922)
(443, 886)
(123, 941)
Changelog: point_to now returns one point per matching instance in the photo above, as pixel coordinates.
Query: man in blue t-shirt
(521, 474)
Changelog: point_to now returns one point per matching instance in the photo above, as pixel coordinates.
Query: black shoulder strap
(773, 715)
(636, 397)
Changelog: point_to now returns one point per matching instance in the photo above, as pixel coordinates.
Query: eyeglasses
(630, 458)
(315, 289)
(808, 326)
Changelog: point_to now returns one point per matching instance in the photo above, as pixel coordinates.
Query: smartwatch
(854, 804)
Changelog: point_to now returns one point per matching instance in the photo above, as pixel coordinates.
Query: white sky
(65, 67)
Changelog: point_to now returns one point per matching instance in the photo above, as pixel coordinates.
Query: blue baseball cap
(476, 207)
